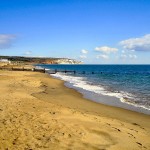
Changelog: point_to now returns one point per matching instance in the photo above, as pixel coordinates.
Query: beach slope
(39, 113)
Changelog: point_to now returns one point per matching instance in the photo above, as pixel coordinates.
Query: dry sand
(38, 113)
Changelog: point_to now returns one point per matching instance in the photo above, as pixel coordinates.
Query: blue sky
(93, 31)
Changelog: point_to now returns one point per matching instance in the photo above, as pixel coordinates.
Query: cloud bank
(137, 44)
(6, 40)
(106, 49)
(125, 56)
(83, 51)
(83, 56)
(102, 56)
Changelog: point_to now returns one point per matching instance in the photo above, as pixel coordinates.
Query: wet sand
(38, 112)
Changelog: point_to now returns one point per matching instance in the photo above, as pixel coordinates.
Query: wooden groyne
(43, 70)
(22, 69)
(65, 71)
(71, 71)
(35, 70)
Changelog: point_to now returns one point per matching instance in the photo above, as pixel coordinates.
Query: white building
(5, 61)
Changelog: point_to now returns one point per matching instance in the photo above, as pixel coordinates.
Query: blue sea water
(129, 84)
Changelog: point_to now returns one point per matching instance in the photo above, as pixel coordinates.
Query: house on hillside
(5, 61)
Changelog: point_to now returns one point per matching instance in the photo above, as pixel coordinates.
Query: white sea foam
(80, 82)
(39, 67)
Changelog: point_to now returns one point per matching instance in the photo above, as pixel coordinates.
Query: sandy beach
(39, 113)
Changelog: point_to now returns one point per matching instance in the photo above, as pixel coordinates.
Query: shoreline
(94, 105)
(39, 112)
(108, 100)
(105, 99)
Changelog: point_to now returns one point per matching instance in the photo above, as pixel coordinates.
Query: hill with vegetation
(40, 60)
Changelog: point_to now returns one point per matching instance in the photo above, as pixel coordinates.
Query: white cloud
(137, 44)
(6, 40)
(83, 51)
(132, 50)
(123, 56)
(28, 53)
(102, 56)
(132, 56)
(106, 49)
(82, 56)
(123, 51)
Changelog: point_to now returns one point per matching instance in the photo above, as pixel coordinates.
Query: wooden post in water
(74, 72)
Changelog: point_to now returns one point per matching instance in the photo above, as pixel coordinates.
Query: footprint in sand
(98, 139)
(137, 125)
(131, 135)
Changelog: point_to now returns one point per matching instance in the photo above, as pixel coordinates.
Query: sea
(125, 86)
